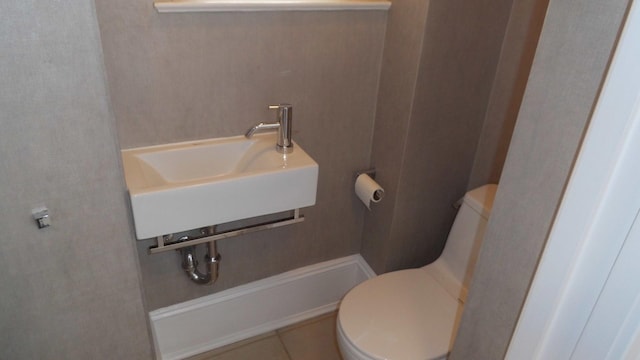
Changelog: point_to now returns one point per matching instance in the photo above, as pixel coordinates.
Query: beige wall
(70, 291)
(570, 62)
(401, 61)
(516, 57)
(439, 65)
(176, 77)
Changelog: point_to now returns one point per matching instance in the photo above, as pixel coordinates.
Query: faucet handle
(281, 106)
(284, 115)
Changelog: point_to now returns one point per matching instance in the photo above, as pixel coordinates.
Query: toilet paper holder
(367, 190)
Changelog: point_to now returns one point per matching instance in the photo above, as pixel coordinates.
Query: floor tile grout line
(284, 346)
(279, 333)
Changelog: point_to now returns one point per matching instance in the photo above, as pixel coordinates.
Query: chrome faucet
(284, 144)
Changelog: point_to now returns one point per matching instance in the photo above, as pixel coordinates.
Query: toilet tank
(455, 266)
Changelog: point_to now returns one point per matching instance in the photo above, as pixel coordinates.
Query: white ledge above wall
(268, 5)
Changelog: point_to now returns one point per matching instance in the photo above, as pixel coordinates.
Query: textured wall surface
(571, 60)
(518, 49)
(176, 77)
(70, 291)
(439, 64)
(401, 61)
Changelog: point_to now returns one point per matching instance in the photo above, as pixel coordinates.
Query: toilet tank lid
(481, 199)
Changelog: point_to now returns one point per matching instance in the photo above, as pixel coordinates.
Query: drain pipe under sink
(190, 264)
(188, 241)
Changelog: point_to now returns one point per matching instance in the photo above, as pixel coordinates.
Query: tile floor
(314, 339)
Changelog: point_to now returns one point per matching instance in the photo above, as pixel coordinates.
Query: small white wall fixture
(206, 323)
(578, 304)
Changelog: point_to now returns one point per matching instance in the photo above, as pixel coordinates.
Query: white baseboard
(206, 323)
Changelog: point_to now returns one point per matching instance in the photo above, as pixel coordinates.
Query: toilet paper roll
(368, 190)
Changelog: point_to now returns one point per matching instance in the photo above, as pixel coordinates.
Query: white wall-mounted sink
(184, 186)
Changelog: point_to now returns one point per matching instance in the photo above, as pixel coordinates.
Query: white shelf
(268, 5)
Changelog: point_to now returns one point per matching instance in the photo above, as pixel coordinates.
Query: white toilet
(414, 314)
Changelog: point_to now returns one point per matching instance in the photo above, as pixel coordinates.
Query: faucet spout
(261, 127)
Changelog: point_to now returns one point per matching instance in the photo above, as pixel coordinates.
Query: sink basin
(184, 186)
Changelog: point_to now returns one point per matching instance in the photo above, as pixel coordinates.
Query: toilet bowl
(414, 314)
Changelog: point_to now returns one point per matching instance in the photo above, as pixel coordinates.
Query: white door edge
(596, 213)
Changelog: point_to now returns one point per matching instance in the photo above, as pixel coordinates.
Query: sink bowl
(188, 185)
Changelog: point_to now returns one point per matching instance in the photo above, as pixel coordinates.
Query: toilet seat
(399, 315)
